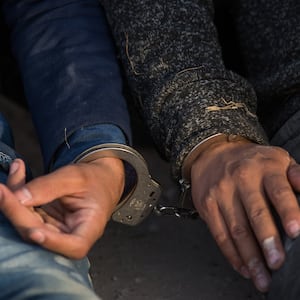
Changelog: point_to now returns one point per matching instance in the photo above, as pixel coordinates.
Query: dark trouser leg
(286, 281)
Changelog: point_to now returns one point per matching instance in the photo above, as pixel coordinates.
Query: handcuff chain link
(179, 212)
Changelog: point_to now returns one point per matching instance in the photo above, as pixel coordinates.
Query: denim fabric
(69, 68)
(5, 132)
(29, 272)
(7, 154)
(86, 138)
(26, 270)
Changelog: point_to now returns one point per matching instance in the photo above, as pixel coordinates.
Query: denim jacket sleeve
(84, 139)
(69, 68)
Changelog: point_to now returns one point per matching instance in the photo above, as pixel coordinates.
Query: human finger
(249, 175)
(293, 174)
(44, 189)
(76, 180)
(20, 216)
(31, 227)
(220, 233)
(284, 201)
(244, 241)
(76, 243)
(261, 221)
(17, 174)
(54, 222)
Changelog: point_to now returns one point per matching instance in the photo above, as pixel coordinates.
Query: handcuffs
(141, 200)
(144, 196)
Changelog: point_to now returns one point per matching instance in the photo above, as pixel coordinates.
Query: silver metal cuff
(201, 147)
(139, 203)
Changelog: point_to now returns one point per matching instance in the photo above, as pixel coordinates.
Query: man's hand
(76, 203)
(235, 187)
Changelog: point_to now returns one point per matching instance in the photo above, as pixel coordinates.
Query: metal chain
(178, 212)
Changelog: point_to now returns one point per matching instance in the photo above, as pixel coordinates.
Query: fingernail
(24, 195)
(13, 167)
(272, 253)
(259, 274)
(293, 228)
(262, 281)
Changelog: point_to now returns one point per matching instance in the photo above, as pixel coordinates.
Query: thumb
(17, 174)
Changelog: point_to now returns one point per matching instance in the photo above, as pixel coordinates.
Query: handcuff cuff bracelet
(201, 147)
(185, 181)
(141, 200)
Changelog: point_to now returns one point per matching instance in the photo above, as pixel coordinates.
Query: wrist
(208, 144)
(114, 167)
(137, 203)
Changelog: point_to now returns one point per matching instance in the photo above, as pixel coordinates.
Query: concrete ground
(163, 258)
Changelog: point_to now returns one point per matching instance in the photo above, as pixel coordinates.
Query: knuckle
(282, 152)
(212, 190)
(207, 208)
(258, 214)
(240, 170)
(280, 192)
(253, 197)
(239, 232)
(222, 187)
(221, 239)
(217, 189)
(242, 173)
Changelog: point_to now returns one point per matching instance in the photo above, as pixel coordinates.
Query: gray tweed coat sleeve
(173, 62)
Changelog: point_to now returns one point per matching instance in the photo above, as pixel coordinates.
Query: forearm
(68, 65)
(174, 64)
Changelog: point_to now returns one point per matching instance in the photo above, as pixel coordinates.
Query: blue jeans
(28, 271)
